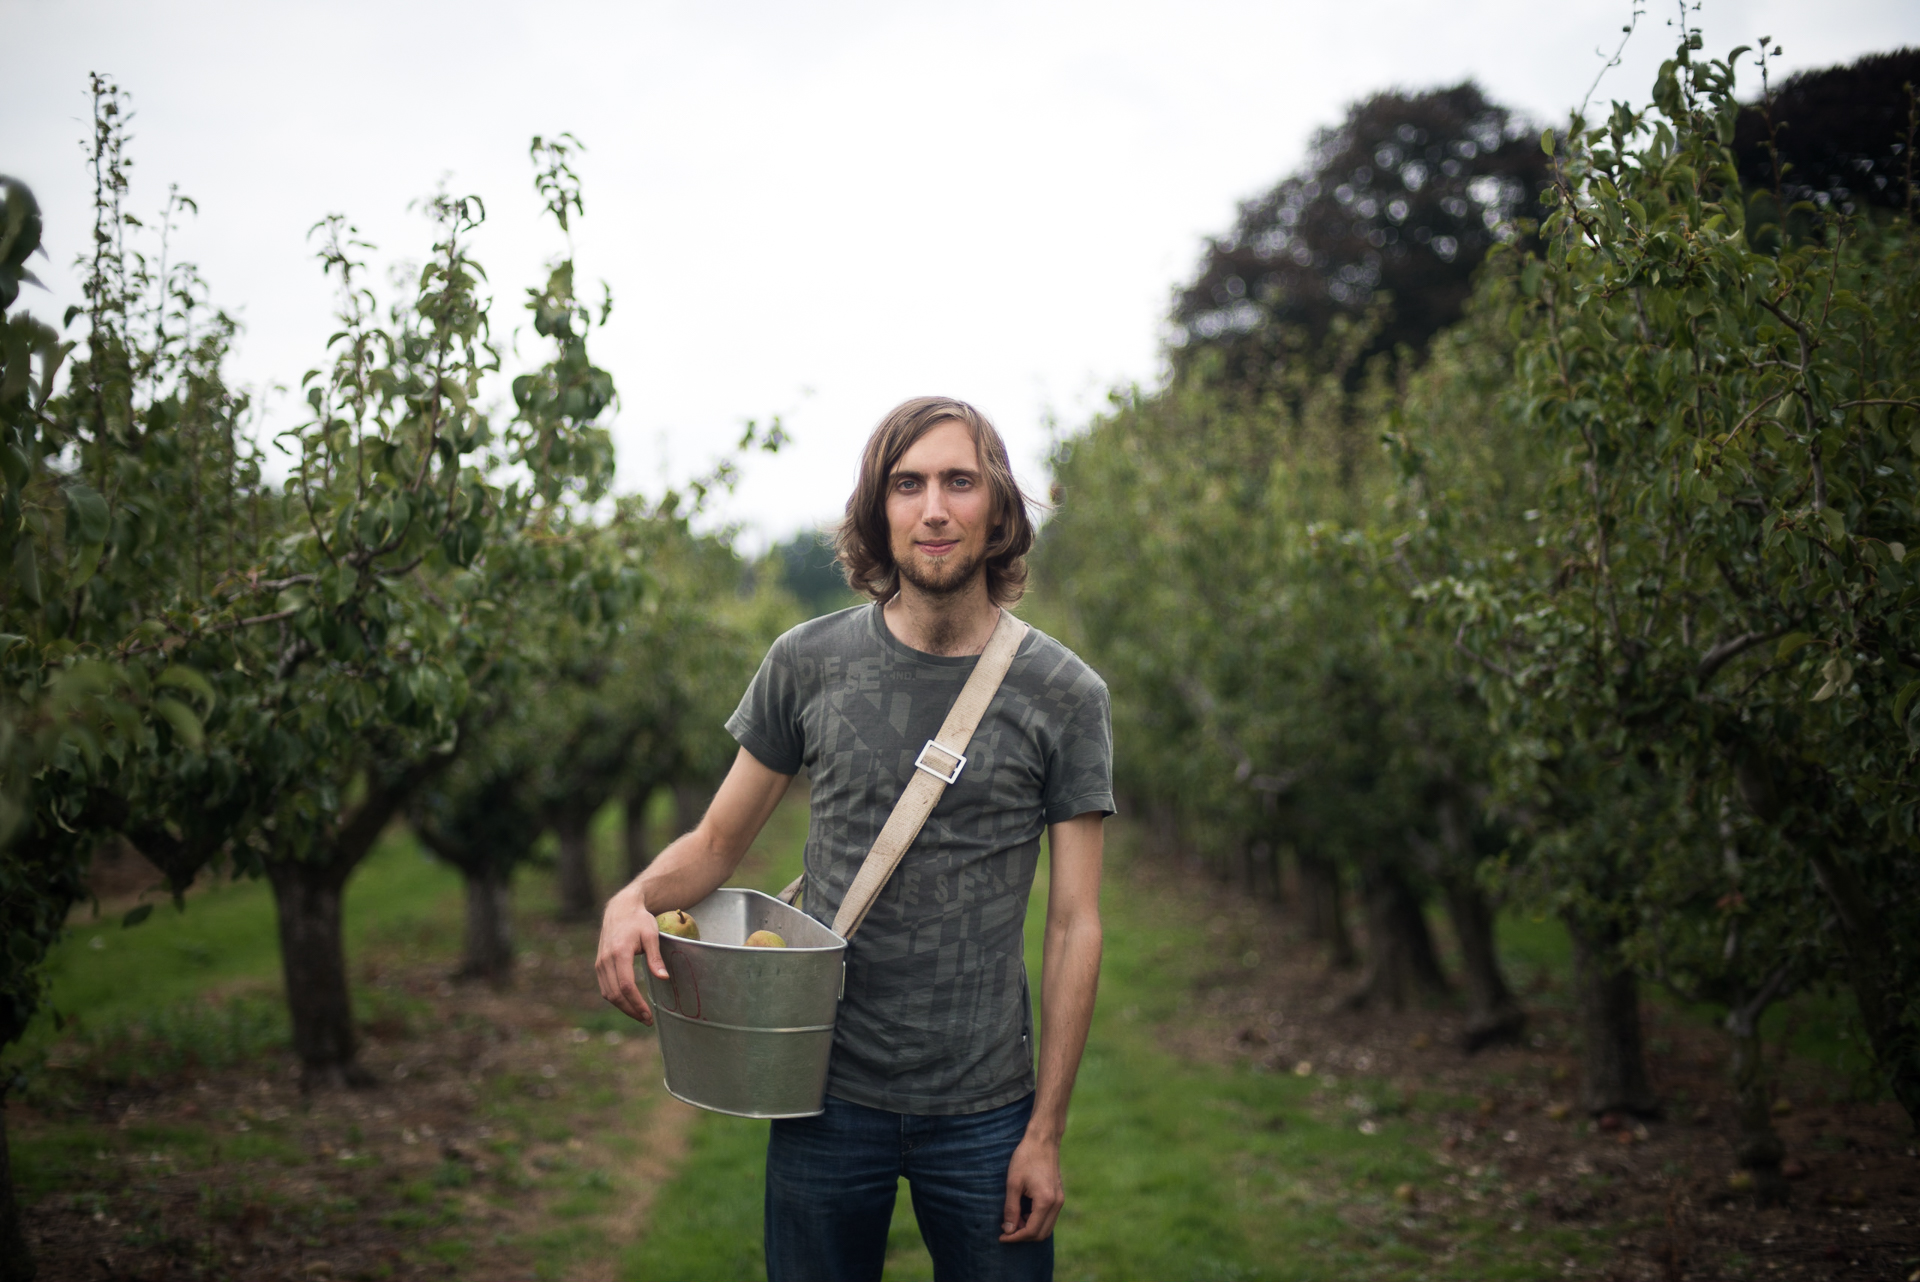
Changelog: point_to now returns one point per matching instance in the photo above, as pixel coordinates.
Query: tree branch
(1742, 1017)
(1460, 644)
(1733, 647)
(1911, 405)
(278, 616)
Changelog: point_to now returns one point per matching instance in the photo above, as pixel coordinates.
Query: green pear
(765, 939)
(678, 922)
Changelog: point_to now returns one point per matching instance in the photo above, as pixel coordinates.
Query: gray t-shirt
(937, 1018)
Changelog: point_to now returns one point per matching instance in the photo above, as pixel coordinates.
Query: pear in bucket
(765, 939)
(678, 922)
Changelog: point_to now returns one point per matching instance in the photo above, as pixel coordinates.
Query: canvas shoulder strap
(938, 765)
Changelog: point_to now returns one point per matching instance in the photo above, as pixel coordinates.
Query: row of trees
(438, 612)
(1594, 601)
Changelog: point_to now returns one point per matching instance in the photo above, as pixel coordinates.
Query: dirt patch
(500, 1118)
(1503, 1126)
(119, 877)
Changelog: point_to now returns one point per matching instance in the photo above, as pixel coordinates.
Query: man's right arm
(680, 876)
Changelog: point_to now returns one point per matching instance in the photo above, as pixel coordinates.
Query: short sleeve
(1080, 766)
(767, 722)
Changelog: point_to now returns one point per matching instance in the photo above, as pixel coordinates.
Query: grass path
(1175, 1167)
(1222, 1129)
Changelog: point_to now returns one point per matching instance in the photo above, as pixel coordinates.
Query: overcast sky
(809, 209)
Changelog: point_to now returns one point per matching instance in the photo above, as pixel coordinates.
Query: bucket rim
(839, 944)
(743, 948)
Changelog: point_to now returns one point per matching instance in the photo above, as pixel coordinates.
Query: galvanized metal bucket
(747, 1031)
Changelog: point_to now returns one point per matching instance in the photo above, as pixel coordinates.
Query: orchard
(1506, 607)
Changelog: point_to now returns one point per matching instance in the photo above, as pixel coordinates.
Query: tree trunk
(488, 950)
(1612, 1062)
(16, 1260)
(1322, 913)
(1874, 965)
(1260, 865)
(1164, 824)
(639, 849)
(1759, 1148)
(1875, 982)
(1493, 1015)
(307, 894)
(579, 900)
(689, 803)
(1401, 961)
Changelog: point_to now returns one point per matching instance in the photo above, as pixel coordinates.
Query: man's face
(939, 510)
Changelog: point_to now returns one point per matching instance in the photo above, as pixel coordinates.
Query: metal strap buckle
(920, 762)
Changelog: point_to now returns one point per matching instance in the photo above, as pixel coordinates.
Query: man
(932, 1074)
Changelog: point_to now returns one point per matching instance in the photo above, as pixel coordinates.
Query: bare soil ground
(509, 1130)
(1503, 1122)
(523, 1133)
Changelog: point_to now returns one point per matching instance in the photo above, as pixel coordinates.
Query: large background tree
(1396, 204)
(1839, 136)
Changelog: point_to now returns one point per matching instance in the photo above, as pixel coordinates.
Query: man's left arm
(1069, 976)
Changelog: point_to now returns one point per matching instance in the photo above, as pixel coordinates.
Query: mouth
(938, 547)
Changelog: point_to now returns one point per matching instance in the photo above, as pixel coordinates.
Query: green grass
(202, 984)
(1174, 1169)
(1534, 950)
(1821, 1028)
(202, 989)
(225, 941)
(198, 988)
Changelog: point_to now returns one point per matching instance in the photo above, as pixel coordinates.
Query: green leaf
(14, 465)
(1901, 700)
(1898, 551)
(27, 570)
(1789, 643)
(1546, 141)
(1838, 672)
(181, 718)
(136, 915)
(1836, 522)
(189, 679)
(86, 561)
(87, 517)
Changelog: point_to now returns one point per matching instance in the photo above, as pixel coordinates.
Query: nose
(934, 511)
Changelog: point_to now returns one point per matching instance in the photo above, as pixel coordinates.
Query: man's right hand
(682, 875)
(627, 930)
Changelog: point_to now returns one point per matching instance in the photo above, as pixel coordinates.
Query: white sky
(815, 210)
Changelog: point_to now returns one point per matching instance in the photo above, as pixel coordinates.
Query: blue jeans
(832, 1180)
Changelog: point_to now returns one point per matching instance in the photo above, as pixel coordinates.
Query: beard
(942, 578)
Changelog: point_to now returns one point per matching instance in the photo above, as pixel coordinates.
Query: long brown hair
(863, 542)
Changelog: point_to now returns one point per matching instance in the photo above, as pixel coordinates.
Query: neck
(949, 624)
